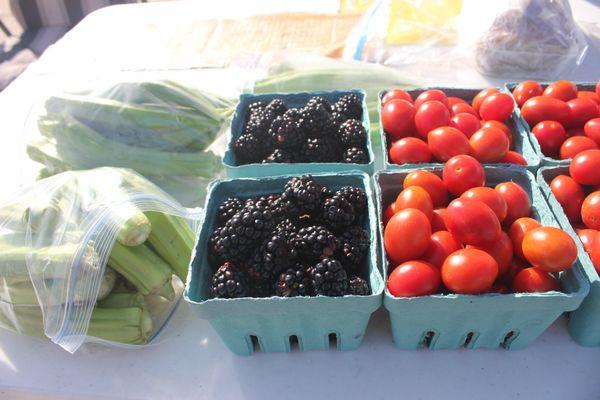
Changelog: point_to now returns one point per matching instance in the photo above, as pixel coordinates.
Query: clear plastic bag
(98, 255)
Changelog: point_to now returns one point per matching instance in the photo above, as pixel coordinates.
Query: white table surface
(193, 363)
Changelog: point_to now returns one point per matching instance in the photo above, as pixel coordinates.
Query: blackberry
(315, 121)
(354, 247)
(358, 286)
(255, 108)
(337, 119)
(229, 282)
(228, 208)
(355, 196)
(272, 257)
(350, 105)
(248, 148)
(287, 227)
(305, 192)
(329, 278)
(315, 242)
(320, 150)
(352, 133)
(282, 208)
(281, 156)
(318, 101)
(354, 155)
(242, 232)
(259, 122)
(337, 213)
(277, 106)
(292, 113)
(285, 133)
(293, 282)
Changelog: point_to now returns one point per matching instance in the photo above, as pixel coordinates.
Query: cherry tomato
(462, 173)
(517, 232)
(389, 213)
(471, 221)
(432, 183)
(501, 250)
(479, 97)
(489, 197)
(582, 110)
(591, 243)
(432, 94)
(397, 118)
(516, 199)
(466, 123)
(446, 142)
(497, 107)
(575, 145)
(502, 126)
(585, 166)
(534, 280)
(437, 220)
(442, 244)
(407, 235)
(598, 88)
(489, 145)
(415, 197)
(455, 100)
(463, 108)
(543, 108)
(550, 135)
(591, 129)
(469, 271)
(549, 248)
(512, 157)
(498, 288)
(431, 115)
(396, 94)
(590, 210)
(569, 194)
(526, 90)
(584, 94)
(409, 150)
(515, 266)
(561, 90)
(414, 278)
(574, 132)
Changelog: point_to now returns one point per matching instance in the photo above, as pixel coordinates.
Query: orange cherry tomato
(409, 150)
(517, 232)
(575, 145)
(517, 201)
(415, 197)
(501, 250)
(469, 271)
(590, 210)
(479, 97)
(437, 220)
(462, 173)
(472, 222)
(442, 244)
(585, 166)
(550, 249)
(489, 145)
(569, 194)
(534, 280)
(526, 90)
(429, 181)
(407, 235)
(489, 197)
(512, 157)
(414, 278)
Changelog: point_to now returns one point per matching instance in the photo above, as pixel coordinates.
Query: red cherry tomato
(455, 100)
(591, 243)
(561, 90)
(414, 278)
(409, 150)
(585, 166)
(515, 266)
(479, 97)
(462, 173)
(489, 145)
(501, 250)
(569, 194)
(582, 110)
(526, 90)
(397, 118)
(447, 142)
(591, 129)
(472, 222)
(550, 135)
(590, 210)
(517, 232)
(502, 126)
(406, 235)
(550, 249)
(534, 280)
(463, 108)
(389, 213)
(469, 271)
(466, 123)
(415, 197)
(489, 197)
(512, 157)
(442, 244)
(429, 181)
(516, 199)
(437, 220)
(497, 107)
(543, 108)
(431, 115)
(598, 88)
(584, 94)
(575, 145)
(432, 94)
(396, 94)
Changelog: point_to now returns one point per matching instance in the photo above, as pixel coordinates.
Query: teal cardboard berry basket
(545, 161)
(274, 324)
(522, 144)
(451, 321)
(584, 323)
(237, 170)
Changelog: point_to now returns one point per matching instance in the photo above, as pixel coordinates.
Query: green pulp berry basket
(522, 144)
(545, 161)
(274, 324)
(236, 170)
(584, 323)
(451, 321)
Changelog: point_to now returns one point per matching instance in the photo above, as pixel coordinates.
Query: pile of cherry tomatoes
(564, 120)
(482, 241)
(435, 127)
